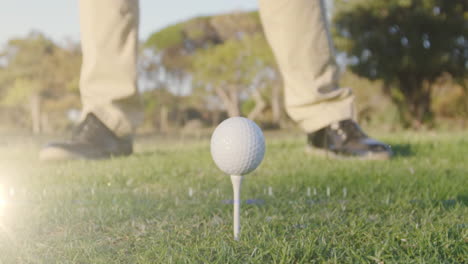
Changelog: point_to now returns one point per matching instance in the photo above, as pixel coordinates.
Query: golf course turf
(169, 203)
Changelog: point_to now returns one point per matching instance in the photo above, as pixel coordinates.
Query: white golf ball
(237, 146)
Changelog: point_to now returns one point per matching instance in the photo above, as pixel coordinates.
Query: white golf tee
(236, 186)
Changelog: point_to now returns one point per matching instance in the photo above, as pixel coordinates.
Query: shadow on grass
(463, 199)
(402, 150)
(460, 199)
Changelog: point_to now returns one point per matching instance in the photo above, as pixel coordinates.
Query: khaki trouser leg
(298, 34)
(108, 83)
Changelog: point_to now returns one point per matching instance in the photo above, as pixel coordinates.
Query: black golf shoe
(345, 139)
(92, 139)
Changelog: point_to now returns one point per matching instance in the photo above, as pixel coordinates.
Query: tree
(233, 68)
(226, 56)
(406, 43)
(36, 69)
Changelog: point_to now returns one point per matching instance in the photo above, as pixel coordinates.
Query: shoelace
(353, 129)
(85, 127)
(348, 130)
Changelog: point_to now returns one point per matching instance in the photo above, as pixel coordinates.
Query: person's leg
(108, 83)
(298, 34)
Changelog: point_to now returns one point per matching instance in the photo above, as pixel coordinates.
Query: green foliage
(374, 107)
(223, 53)
(153, 101)
(201, 32)
(407, 44)
(176, 43)
(167, 37)
(19, 92)
(450, 99)
(38, 72)
(235, 62)
(36, 65)
(247, 106)
(231, 68)
(175, 35)
(236, 25)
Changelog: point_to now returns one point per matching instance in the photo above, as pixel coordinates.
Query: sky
(58, 19)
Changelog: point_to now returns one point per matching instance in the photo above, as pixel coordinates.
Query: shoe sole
(332, 155)
(58, 154)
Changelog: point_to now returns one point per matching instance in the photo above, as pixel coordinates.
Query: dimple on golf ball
(237, 146)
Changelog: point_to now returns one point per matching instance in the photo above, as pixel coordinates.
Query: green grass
(412, 209)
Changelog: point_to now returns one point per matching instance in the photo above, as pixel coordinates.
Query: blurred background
(202, 61)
